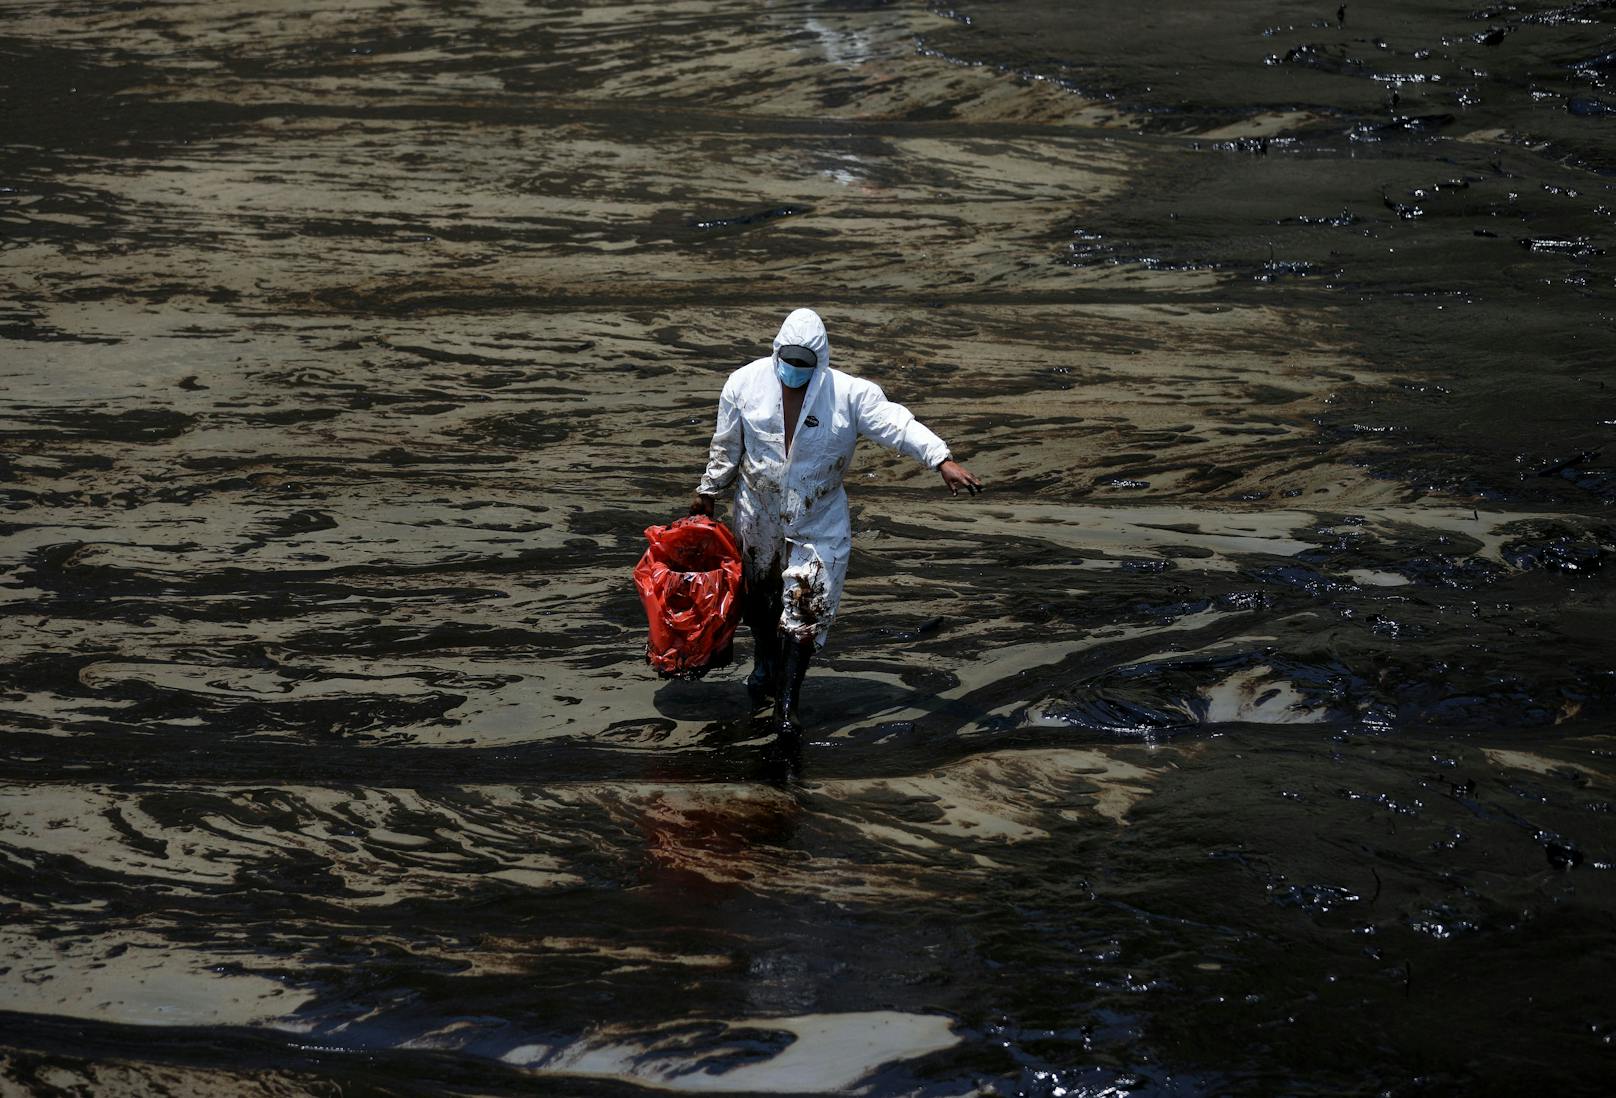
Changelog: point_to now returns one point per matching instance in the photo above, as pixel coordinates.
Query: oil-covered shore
(1251, 735)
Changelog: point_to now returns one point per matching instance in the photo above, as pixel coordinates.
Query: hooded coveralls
(790, 509)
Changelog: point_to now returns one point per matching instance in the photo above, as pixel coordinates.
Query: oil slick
(1265, 700)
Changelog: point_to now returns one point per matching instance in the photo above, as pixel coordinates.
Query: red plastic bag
(690, 584)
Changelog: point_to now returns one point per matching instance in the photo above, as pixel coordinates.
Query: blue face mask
(792, 377)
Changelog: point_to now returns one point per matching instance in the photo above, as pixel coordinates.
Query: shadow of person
(708, 699)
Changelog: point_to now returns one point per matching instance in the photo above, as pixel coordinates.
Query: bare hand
(958, 478)
(702, 505)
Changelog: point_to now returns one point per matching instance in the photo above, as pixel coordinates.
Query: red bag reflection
(690, 584)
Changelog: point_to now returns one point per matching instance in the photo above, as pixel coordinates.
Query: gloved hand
(702, 505)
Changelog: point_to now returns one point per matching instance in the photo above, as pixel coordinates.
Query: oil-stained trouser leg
(761, 611)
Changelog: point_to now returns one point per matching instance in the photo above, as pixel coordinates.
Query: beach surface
(1252, 733)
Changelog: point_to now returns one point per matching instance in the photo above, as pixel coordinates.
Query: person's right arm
(724, 455)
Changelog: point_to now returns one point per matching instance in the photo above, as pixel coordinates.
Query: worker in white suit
(787, 425)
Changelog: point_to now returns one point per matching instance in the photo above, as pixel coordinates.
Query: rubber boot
(795, 656)
(764, 681)
(786, 758)
(761, 611)
(761, 684)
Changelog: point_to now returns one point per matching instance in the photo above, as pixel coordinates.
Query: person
(787, 425)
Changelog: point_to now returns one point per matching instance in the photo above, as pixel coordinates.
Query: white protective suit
(790, 510)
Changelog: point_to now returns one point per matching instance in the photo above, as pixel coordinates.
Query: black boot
(763, 683)
(760, 608)
(785, 760)
(794, 659)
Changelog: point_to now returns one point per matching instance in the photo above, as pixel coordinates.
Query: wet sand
(1251, 735)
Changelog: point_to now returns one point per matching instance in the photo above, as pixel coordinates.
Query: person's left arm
(895, 427)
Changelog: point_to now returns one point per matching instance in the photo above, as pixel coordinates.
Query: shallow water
(1250, 736)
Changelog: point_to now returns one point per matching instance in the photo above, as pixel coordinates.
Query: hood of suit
(803, 328)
